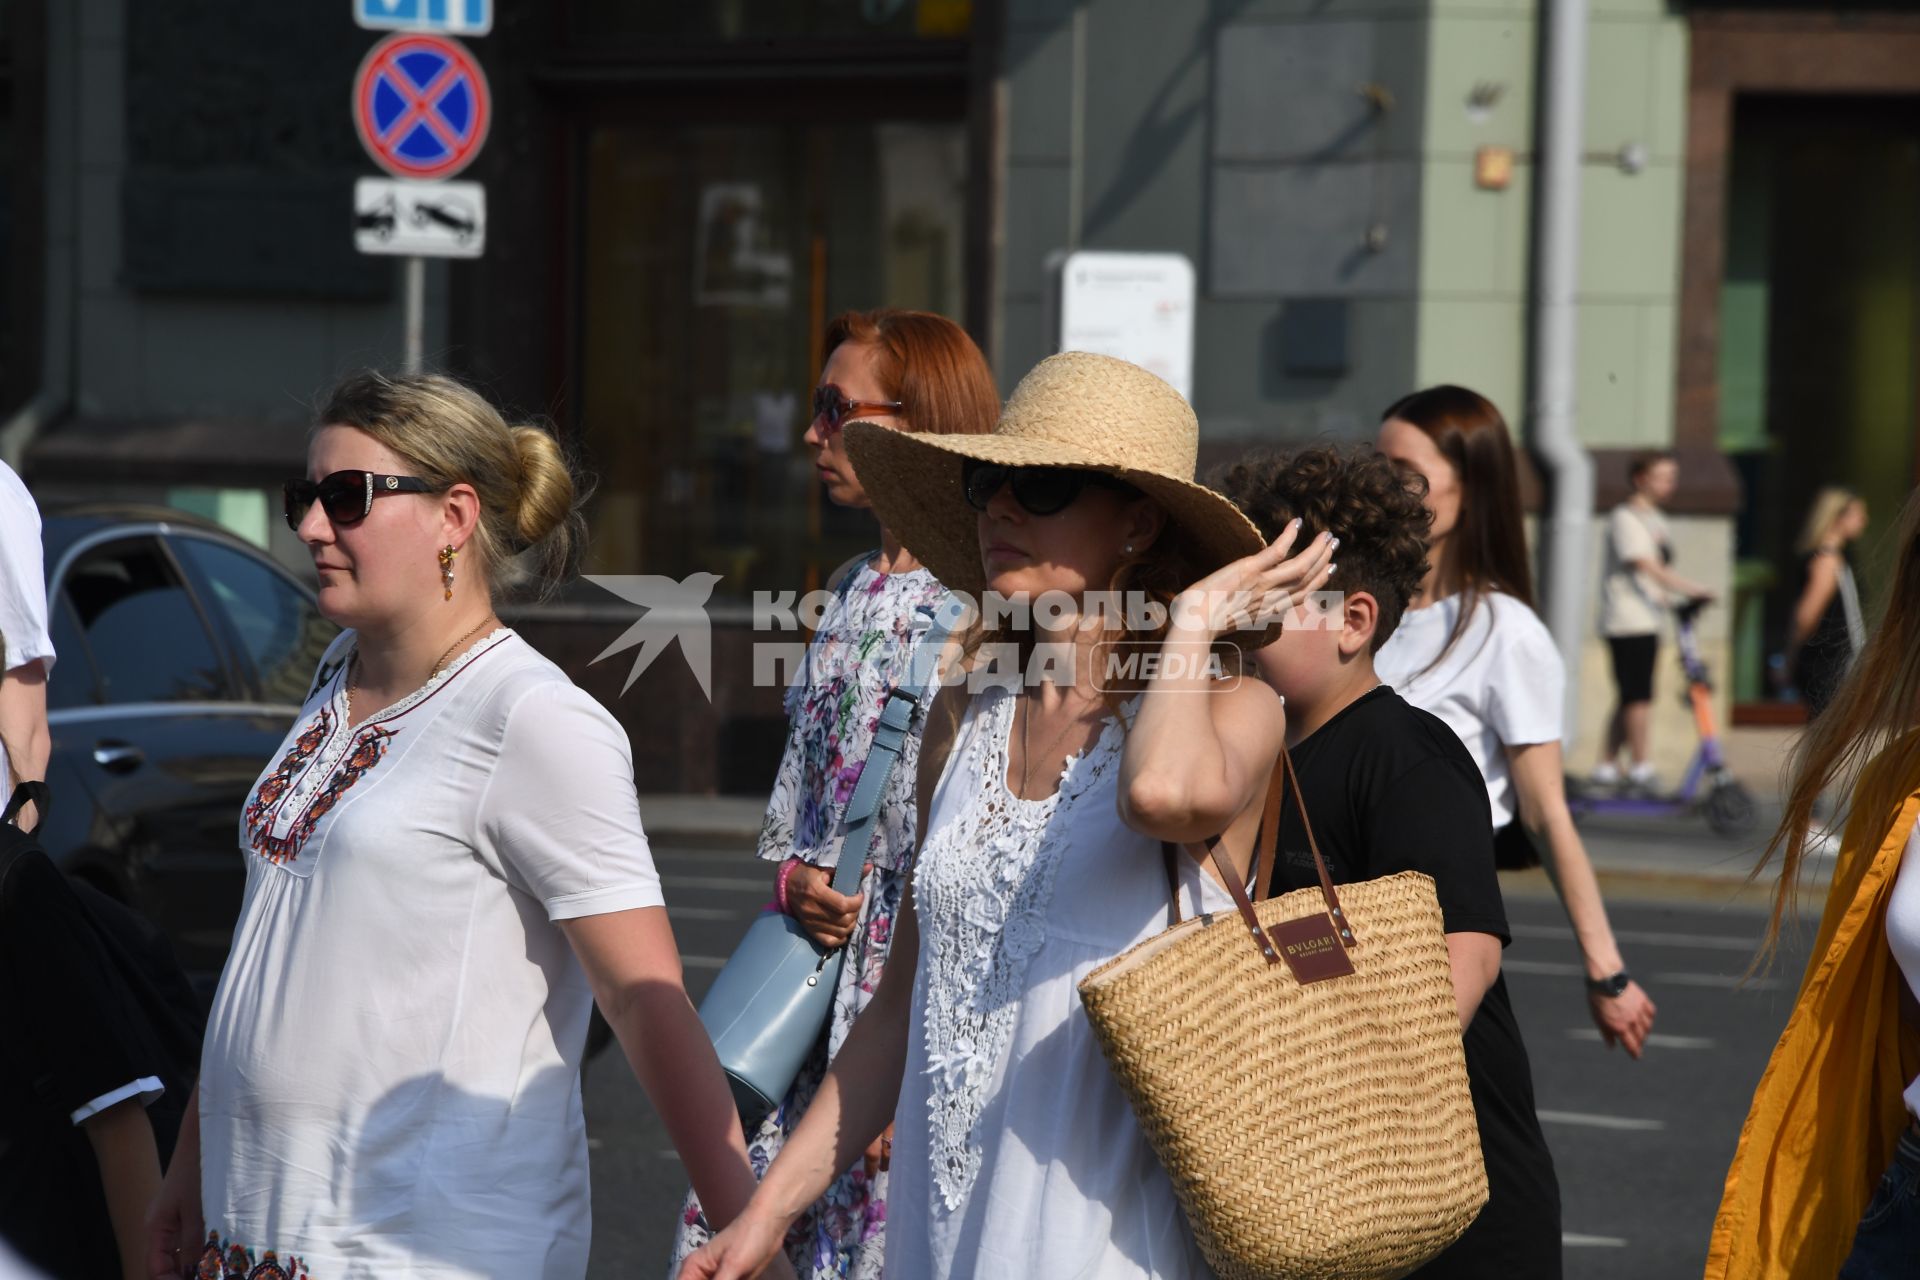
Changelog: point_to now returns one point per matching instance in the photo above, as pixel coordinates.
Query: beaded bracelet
(780, 886)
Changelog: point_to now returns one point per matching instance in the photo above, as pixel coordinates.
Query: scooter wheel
(1730, 809)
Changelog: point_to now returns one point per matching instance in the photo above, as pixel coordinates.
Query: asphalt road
(1641, 1147)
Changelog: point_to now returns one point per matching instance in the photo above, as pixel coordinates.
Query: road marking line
(706, 913)
(1646, 937)
(1588, 1120)
(737, 883)
(1728, 981)
(1574, 1240)
(1658, 1040)
(1557, 969)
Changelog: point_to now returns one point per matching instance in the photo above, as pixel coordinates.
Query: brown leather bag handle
(1266, 851)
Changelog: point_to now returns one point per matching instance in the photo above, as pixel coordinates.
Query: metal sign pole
(416, 312)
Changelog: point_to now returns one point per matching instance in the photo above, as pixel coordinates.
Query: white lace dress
(1015, 1153)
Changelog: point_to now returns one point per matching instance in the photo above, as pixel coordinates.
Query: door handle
(118, 757)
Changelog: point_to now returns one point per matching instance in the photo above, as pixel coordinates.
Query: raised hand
(1257, 590)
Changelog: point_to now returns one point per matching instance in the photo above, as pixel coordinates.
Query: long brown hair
(1876, 706)
(1488, 545)
(927, 363)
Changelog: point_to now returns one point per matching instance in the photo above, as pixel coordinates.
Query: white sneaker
(1606, 774)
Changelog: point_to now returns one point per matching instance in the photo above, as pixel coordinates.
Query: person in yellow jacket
(1826, 1179)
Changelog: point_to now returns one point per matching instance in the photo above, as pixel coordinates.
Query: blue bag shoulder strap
(906, 703)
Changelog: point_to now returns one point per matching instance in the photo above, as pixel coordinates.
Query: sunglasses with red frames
(346, 496)
(832, 408)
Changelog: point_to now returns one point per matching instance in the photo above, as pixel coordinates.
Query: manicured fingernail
(1334, 545)
(1331, 568)
(1294, 523)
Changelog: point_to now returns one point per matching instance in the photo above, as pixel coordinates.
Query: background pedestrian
(1827, 629)
(908, 371)
(1471, 650)
(1637, 587)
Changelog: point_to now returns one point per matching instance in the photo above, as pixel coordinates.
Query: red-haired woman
(910, 371)
(1471, 650)
(1826, 1180)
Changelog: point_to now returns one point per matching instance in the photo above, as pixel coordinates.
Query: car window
(146, 636)
(71, 683)
(278, 626)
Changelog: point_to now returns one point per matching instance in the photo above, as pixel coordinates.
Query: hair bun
(546, 485)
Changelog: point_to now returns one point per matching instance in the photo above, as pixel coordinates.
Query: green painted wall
(1474, 243)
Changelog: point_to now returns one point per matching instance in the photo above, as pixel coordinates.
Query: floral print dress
(860, 652)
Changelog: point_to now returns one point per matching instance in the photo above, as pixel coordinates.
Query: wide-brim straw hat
(1075, 409)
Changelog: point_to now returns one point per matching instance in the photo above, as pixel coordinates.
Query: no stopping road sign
(421, 106)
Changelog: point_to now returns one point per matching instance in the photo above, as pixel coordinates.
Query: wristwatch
(1609, 986)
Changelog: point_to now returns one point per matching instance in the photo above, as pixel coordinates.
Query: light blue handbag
(771, 1001)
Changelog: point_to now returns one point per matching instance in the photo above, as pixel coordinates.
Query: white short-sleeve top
(23, 589)
(1501, 685)
(1015, 1153)
(390, 1080)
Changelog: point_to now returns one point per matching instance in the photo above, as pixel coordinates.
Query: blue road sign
(421, 106)
(451, 17)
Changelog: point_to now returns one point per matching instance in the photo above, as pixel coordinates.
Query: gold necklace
(1026, 750)
(353, 670)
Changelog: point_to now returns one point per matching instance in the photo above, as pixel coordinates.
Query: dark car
(182, 655)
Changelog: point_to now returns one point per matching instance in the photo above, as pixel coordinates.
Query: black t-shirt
(90, 1001)
(1390, 788)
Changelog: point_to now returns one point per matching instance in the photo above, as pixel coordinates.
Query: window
(72, 682)
(716, 255)
(280, 630)
(142, 628)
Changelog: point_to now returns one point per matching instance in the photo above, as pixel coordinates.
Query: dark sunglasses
(1040, 491)
(346, 496)
(832, 408)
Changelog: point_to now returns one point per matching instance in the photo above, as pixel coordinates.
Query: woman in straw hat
(1047, 791)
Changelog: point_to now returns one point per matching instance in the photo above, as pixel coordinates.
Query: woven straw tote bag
(1297, 1065)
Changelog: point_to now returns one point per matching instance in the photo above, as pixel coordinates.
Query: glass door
(714, 256)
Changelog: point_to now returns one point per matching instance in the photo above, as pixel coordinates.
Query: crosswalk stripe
(1646, 938)
(1731, 981)
(1658, 1040)
(706, 913)
(739, 884)
(1589, 1120)
(1574, 1240)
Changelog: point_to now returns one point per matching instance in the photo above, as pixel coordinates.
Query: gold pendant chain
(1026, 737)
(354, 668)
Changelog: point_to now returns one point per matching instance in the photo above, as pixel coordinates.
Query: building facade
(680, 197)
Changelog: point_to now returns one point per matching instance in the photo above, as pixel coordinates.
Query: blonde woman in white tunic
(445, 868)
(1015, 1152)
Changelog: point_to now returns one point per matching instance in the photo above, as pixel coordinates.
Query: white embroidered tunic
(1015, 1153)
(391, 1077)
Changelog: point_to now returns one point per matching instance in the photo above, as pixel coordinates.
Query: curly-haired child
(1391, 788)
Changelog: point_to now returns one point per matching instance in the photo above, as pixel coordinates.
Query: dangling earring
(447, 553)
(1127, 550)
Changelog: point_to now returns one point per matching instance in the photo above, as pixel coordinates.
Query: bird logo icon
(671, 610)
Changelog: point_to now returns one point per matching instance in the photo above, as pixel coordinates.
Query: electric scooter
(1708, 788)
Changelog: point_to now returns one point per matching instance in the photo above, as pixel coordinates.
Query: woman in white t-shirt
(445, 869)
(1471, 650)
(1637, 584)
